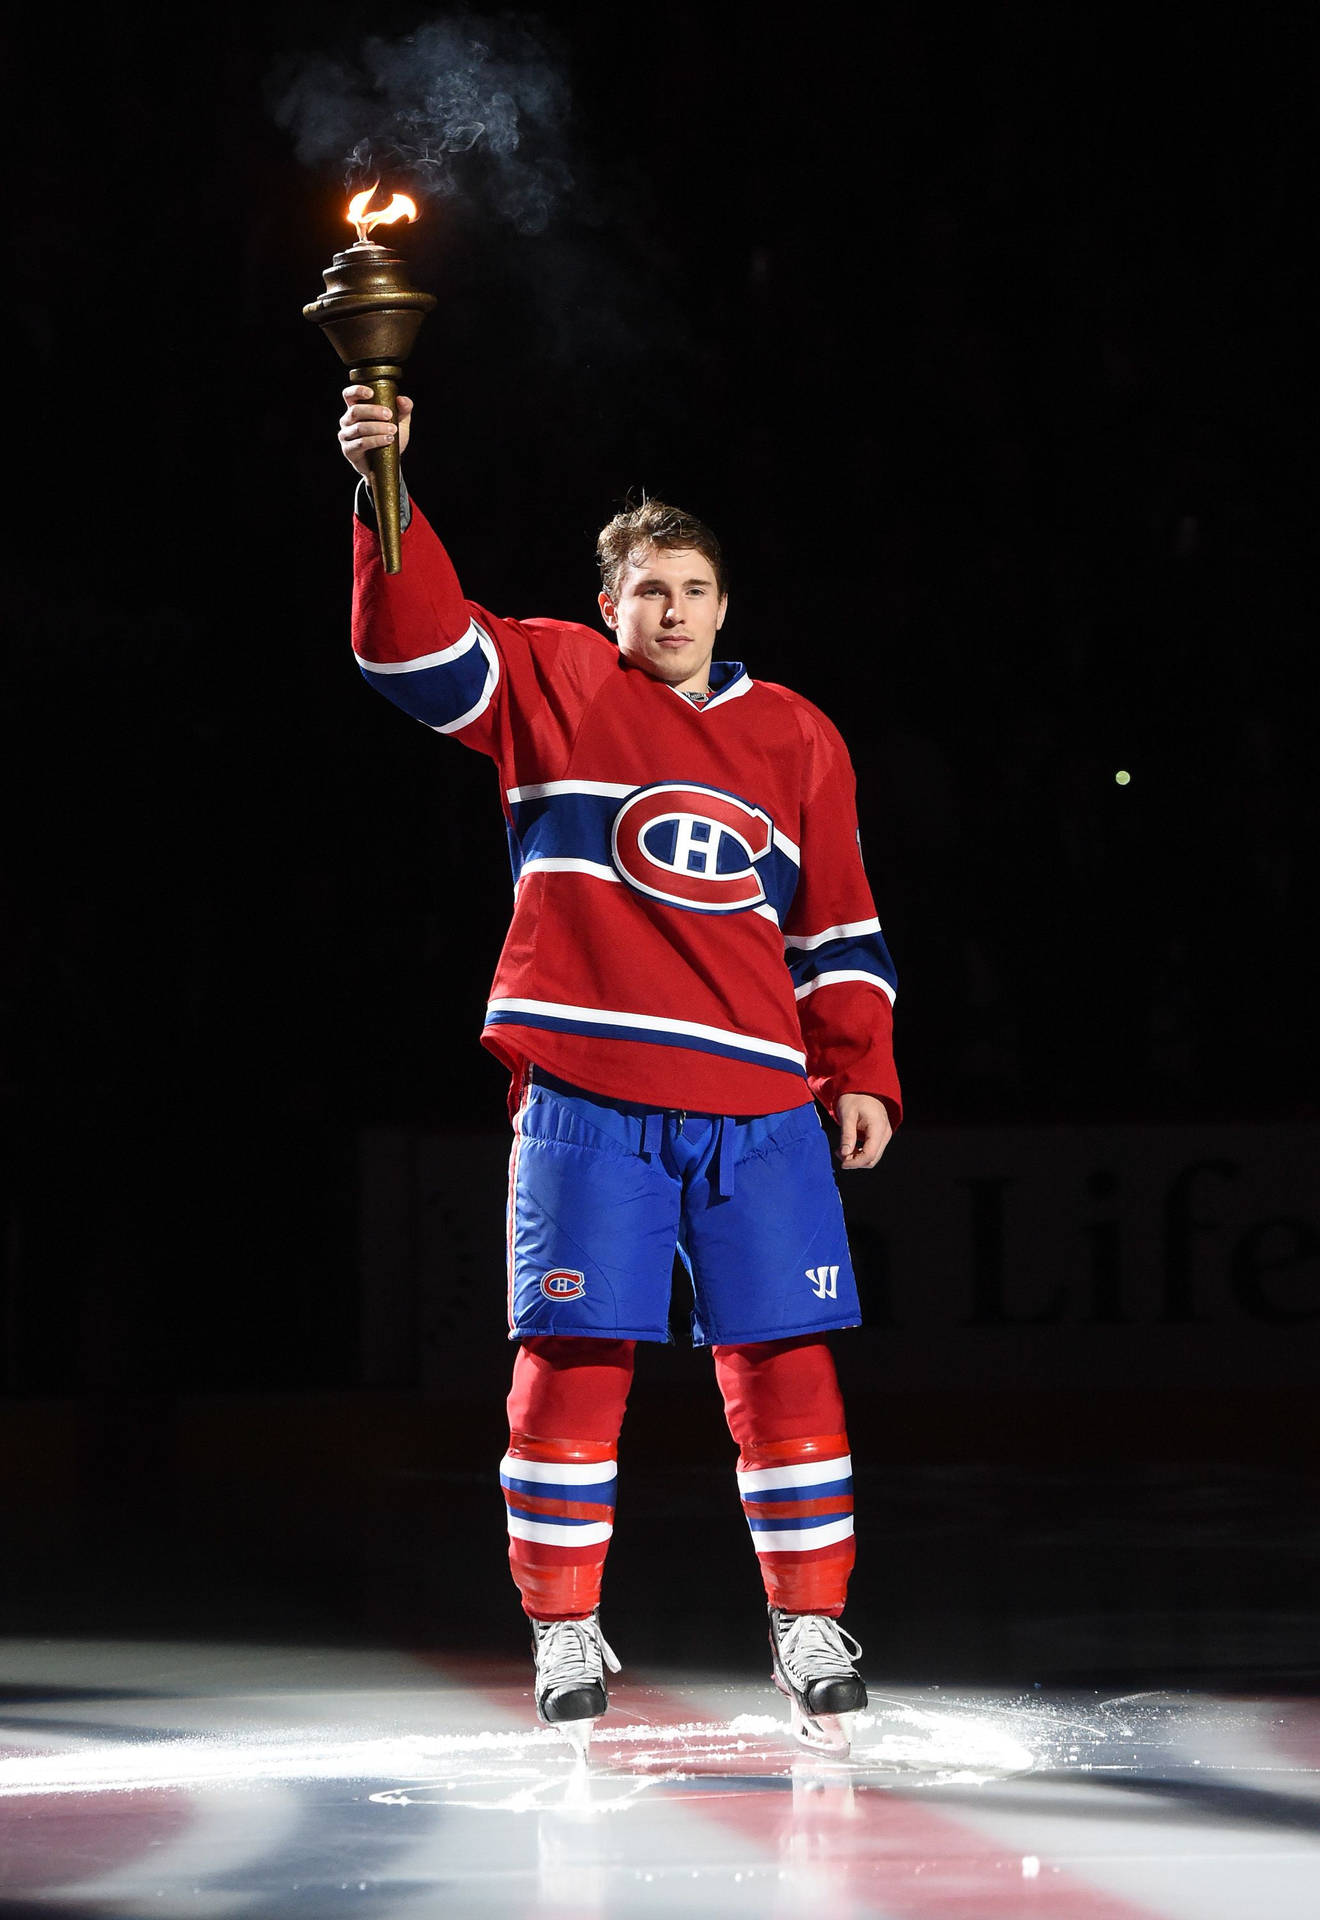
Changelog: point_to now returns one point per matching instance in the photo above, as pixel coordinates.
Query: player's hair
(655, 523)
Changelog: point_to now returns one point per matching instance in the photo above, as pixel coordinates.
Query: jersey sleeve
(843, 977)
(497, 685)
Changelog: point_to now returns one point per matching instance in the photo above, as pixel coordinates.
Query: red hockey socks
(782, 1402)
(784, 1409)
(565, 1411)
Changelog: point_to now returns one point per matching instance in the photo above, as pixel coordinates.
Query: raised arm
(508, 688)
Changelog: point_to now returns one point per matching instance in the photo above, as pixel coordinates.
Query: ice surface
(422, 1780)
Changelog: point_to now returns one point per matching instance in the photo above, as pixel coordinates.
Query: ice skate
(813, 1665)
(571, 1656)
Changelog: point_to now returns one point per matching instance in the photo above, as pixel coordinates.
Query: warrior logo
(692, 847)
(562, 1283)
(824, 1282)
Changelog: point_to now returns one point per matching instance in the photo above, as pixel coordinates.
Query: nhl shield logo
(692, 847)
(563, 1283)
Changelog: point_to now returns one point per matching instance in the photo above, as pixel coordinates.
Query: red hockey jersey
(692, 927)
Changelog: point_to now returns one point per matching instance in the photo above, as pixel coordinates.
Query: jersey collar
(728, 679)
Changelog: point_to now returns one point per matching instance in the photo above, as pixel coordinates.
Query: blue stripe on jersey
(866, 953)
(779, 877)
(804, 1525)
(599, 1030)
(599, 1493)
(577, 826)
(557, 1519)
(436, 695)
(785, 1496)
(563, 826)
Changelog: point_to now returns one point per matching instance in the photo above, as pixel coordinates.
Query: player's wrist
(364, 504)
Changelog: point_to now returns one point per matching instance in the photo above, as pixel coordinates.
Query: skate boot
(813, 1665)
(570, 1679)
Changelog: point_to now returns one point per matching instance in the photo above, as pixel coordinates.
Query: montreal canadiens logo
(561, 1283)
(692, 847)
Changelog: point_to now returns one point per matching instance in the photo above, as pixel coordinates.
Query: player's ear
(724, 608)
(609, 613)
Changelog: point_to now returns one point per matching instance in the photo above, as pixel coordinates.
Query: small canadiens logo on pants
(562, 1283)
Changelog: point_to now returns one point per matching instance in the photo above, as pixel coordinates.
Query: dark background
(977, 336)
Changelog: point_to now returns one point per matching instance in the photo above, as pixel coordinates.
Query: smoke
(465, 107)
(476, 110)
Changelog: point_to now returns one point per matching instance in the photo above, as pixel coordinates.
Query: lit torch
(370, 312)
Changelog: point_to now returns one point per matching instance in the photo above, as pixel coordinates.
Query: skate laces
(813, 1646)
(569, 1653)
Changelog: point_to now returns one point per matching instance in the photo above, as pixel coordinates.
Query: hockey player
(693, 955)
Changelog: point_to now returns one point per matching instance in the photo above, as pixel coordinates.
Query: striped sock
(797, 1496)
(560, 1500)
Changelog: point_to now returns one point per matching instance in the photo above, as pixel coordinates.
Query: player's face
(668, 611)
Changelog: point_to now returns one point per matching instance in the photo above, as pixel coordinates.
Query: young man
(693, 954)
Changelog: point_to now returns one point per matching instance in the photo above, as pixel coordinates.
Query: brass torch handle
(384, 464)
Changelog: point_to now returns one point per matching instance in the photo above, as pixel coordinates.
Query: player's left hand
(864, 1130)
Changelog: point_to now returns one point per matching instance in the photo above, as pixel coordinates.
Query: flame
(400, 208)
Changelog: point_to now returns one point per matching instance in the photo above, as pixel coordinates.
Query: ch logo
(692, 847)
(562, 1283)
(824, 1282)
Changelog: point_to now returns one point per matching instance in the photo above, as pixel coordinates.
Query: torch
(370, 312)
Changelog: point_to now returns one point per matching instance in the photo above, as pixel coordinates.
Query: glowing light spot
(399, 208)
(1122, 778)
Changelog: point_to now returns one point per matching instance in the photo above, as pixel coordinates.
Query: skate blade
(578, 1735)
(824, 1733)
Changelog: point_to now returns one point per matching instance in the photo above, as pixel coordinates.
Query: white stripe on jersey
(850, 930)
(563, 863)
(547, 789)
(846, 973)
(607, 1017)
(441, 659)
